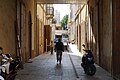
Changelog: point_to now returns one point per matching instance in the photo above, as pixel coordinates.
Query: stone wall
(9, 13)
(106, 58)
(104, 34)
(7, 25)
(116, 38)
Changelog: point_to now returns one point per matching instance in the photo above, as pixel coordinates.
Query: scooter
(1, 77)
(88, 63)
(9, 66)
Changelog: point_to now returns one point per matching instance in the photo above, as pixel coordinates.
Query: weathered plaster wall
(7, 25)
(116, 38)
(105, 32)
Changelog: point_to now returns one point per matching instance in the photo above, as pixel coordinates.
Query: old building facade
(22, 28)
(96, 25)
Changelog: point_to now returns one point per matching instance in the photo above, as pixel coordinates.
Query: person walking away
(59, 49)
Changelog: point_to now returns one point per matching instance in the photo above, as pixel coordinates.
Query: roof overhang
(62, 1)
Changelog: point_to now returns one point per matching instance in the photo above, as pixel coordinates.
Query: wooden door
(47, 37)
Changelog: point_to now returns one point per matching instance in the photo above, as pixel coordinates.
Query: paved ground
(45, 67)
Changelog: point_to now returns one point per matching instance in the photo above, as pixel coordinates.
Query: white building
(57, 17)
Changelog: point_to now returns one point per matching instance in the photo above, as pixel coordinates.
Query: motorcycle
(9, 66)
(88, 63)
(1, 77)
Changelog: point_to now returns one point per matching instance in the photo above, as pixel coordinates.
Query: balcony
(49, 11)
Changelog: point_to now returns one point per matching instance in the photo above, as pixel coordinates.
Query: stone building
(22, 28)
(97, 26)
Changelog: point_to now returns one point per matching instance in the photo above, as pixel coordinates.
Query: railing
(49, 11)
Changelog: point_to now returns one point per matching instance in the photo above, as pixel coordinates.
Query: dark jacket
(59, 46)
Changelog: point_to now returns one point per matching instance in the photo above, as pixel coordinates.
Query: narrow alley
(30, 29)
(45, 67)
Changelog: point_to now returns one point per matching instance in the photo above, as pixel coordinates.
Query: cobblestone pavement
(45, 67)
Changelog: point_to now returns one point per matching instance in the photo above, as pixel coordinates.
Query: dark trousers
(59, 55)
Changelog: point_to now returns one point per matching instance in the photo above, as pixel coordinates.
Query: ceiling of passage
(62, 1)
